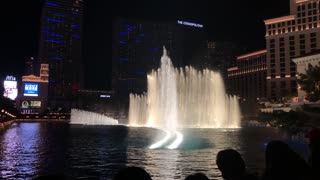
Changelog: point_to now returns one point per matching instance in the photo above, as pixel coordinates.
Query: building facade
(137, 49)
(248, 79)
(303, 65)
(61, 45)
(33, 92)
(289, 37)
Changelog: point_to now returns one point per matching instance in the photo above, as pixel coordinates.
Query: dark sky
(240, 21)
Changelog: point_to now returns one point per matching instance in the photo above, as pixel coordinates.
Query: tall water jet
(185, 97)
(90, 118)
(162, 97)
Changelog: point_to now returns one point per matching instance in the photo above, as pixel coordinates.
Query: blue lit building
(137, 49)
(61, 45)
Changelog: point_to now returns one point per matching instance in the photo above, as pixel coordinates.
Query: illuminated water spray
(182, 98)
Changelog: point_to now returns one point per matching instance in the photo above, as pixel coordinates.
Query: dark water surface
(28, 150)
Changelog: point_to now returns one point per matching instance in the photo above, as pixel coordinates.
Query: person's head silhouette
(283, 163)
(231, 164)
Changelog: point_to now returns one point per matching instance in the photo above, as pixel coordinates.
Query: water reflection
(19, 151)
(96, 151)
(28, 150)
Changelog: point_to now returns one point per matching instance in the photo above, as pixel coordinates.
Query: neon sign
(190, 24)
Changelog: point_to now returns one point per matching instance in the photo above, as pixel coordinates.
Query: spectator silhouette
(283, 163)
(197, 176)
(232, 166)
(314, 144)
(132, 173)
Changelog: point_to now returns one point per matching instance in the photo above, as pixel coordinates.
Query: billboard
(30, 104)
(10, 88)
(30, 89)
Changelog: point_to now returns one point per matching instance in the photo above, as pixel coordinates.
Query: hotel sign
(10, 78)
(31, 89)
(30, 104)
(190, 24)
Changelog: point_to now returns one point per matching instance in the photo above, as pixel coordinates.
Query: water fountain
(90, 118)
(183, 98)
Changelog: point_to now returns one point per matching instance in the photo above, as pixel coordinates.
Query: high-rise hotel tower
(61, 45)
(288, 37)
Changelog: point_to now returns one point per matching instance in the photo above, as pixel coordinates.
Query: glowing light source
(53, 20)
(53, 41)
(162, 141)
(177, 141)
(280, 19)
(51, 4)
(252, 54)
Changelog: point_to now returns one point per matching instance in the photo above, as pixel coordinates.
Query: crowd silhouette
(282, 163)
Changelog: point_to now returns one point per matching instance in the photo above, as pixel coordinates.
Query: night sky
(240, 21)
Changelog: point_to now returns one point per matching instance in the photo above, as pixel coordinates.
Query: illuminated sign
(31, 89)
(30, 104)
(105, 96)
(10, 78)
(190, 24)
(10, 88)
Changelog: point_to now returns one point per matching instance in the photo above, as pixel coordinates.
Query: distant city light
(53, 41)
(53, 20)
(51, 4)
(59, 15)
(56, 58)
(75, 25)
(153, 49)
(123, 59)
(77, 36)
(190, 24)
(105, 96)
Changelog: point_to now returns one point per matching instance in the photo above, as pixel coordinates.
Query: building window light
(51, 4)
(75, 25)
(77, 36)
(53, 41)
(59, 15)
(51, 33)
(123, 33)
(53, 20)
(56, 58)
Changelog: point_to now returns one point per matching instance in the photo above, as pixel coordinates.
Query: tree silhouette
(310, 82)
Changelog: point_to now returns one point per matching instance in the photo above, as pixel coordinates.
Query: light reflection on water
(19, 151)
(28, 150)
